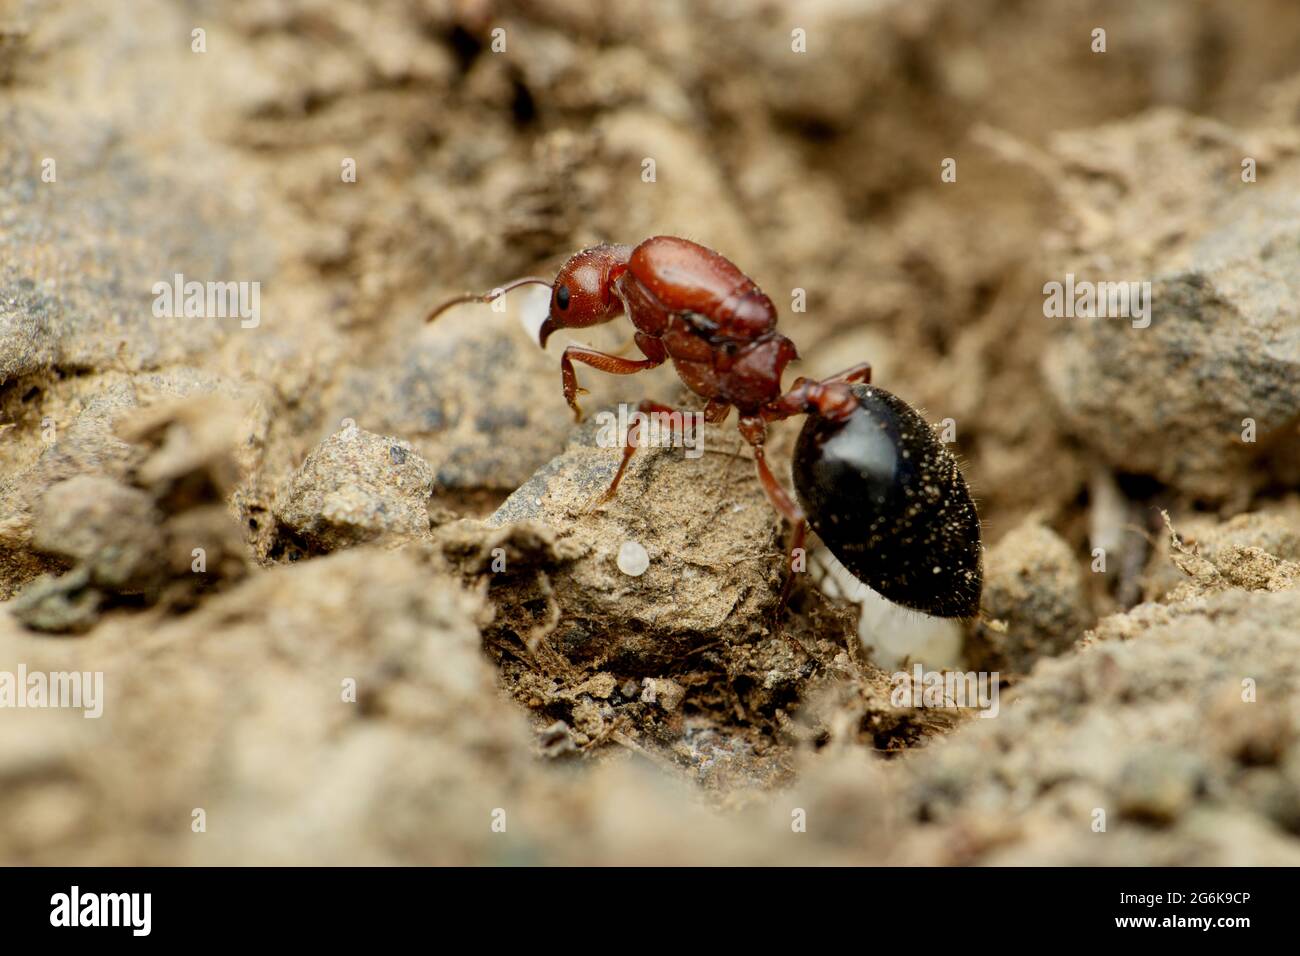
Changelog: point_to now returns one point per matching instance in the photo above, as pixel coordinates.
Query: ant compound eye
(562, 297)
(890, 502)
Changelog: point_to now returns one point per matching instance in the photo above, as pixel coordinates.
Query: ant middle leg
(631, 442)
(615, 364)
(714, 412)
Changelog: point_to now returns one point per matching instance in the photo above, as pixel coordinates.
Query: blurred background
(361, 160)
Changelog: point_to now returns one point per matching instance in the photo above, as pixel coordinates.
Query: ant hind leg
(754, 430)
(860, 373)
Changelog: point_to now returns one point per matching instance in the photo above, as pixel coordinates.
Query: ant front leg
(754, 430)
(714, 412)
(617, 365)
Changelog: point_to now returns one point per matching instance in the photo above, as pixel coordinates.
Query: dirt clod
(355, 487)
(1034, 592)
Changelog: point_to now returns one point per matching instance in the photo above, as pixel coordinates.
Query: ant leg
(600, 360)
(754, 430)
(807, 388)
(860, 373)
(631, 442)
(614, 364)
(714, 412)
(832, 398)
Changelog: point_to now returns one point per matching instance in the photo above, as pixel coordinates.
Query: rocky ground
(342, 572)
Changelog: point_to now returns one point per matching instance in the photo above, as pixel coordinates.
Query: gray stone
(59, 604)
(110, 529)
(1223, 346)
(356, 486)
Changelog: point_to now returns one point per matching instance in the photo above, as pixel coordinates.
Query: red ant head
(583, 291)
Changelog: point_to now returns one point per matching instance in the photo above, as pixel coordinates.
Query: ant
(885, 496)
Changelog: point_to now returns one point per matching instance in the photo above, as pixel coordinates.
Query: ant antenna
(486, 296)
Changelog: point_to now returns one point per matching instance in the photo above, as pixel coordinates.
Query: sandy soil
(338, 568)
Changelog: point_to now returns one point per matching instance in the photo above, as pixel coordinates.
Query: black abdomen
(890, 502)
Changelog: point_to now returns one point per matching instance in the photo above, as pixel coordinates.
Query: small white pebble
(633, 559)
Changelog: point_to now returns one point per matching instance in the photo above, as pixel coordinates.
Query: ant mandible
(884, 495)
